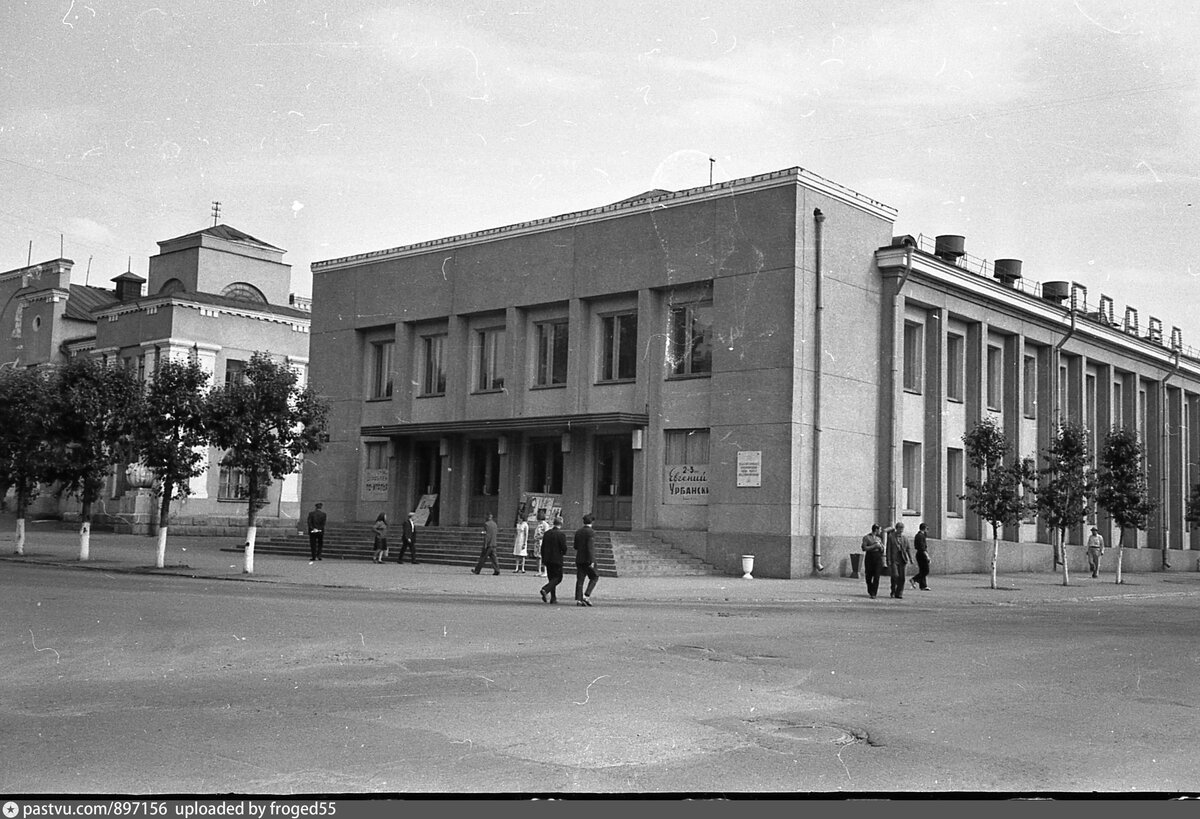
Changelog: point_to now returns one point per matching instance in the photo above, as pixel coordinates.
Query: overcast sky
(1066, 134)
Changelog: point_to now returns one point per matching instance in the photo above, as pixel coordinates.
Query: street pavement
(216, 558)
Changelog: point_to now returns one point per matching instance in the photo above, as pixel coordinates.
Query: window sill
(950, 399)
(611, 381)
(1029, 417)
(548, 387)
(910, 513)
(911, 391)
(688, 376)
(377, 399)
(990, 408)
(954, 515)
(488, 392)
(432, 395)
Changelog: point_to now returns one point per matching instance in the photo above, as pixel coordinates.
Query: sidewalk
(202, 557)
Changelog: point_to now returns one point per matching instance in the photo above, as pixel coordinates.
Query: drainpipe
(1060, 553)
(897, 355)
(818, 365)
(1164, 462)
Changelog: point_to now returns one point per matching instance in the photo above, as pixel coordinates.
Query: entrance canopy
(511, 424)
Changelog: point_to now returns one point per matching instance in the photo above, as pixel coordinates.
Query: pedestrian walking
(521, 542)
(408, 538)
(491, 533)
(585, 561)
(535, 539)
(872, 544)
(921, 545)
(316, 531)
(380, 546)
(899, 555)
(1095, 550)
(554, 549)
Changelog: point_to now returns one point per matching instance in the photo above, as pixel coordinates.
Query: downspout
(1060, 549)
(818, 364)
(893, 513)
(1164, 468)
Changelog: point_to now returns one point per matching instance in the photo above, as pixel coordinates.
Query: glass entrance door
(427, 476)
(613, 505)
(485, 481)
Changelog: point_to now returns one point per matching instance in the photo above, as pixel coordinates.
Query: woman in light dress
(520, 542)
(539, 531)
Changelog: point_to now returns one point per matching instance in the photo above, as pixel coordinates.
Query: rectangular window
(552, 345)
(691, 339)
(433, 377)
(995, 378)
(954, 482)
(377, 455)
(1089, 411)
(685, 446)
(1118, 404)
(618, 347)
(491, 360)
(1029, 387)
(1064, 393)
(1141, 417)
(913, 356)
(910, 488)
(955, 367)
(545, 465)
(235, 372)
(235, 484)
(381, 369)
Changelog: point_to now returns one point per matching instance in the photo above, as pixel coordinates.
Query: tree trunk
(164, 519)
(85, 530)
(1066, 574)
(22, 502)
(995, 553)
(251, 524)
(1120, 554)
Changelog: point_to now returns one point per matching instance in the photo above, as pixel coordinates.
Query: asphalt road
(138, 684)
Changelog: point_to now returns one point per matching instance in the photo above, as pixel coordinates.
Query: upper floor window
(955, 366)
(914, 355)
(1118, 404)
(1029, 387)
(433, 365)
(490, 365)
(377, 454)
(235, 371)
(910, 478)
(552, 340)
(244, 291)
(618, 355)
(954, 482)
(381, 368)
(995, 378)
(691, 339)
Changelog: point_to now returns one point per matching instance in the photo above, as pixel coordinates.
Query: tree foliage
(1002, 493)
(1192, 514)
(24, 400)
(1122, 486)
(266, 423)
(1066, 487)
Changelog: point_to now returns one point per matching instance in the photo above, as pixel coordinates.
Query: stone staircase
(625, 554)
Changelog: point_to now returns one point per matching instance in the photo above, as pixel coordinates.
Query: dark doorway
(613, 506)
(485, 480)
(427, 476)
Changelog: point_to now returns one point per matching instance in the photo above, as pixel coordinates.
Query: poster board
(423, 507)
(533, 501)
(685, 483)
(375, 484)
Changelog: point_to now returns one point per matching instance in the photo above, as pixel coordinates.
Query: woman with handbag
(380, 528)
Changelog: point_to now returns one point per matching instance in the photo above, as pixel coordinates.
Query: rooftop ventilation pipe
(949, 247)
(1007, 271)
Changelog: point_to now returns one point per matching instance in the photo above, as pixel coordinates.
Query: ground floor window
(235, 484)
(910, 487)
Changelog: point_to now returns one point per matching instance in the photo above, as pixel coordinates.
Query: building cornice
(151, 305)
(667, 199)
(510, 424)
(930, 269)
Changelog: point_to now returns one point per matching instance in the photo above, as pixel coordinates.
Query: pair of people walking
(554, 550)
(408, 539)
(895, 556)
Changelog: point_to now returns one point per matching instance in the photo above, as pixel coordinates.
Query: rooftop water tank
(949, 247)
(1056, 292)
(1007, 271)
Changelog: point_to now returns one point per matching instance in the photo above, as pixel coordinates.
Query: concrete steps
(644, 554)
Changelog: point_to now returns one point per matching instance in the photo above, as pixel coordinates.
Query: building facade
(752, 367)
(217, 296)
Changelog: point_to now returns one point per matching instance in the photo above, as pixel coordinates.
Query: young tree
(266, 422)
(1066, 490)
(92, 412)
(24, 394)
(171, 435)
(998, 496)
(1122, 486)
(1192, 512)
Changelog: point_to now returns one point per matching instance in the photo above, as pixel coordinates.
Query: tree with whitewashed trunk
(1002, 493)
(1066, 487)
(1122, 486)
(24, 396)
(91, 415)
(171, 434)
(266, 422)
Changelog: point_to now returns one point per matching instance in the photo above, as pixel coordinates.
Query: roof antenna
(711, 163)
(88, 273)
(216, 212)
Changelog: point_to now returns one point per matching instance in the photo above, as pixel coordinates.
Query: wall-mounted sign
(685, 483)
(375, 484)
(749, 468)
(551, 505)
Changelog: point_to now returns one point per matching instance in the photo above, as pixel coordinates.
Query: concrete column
(934, 449)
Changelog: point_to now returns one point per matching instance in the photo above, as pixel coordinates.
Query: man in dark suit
(585, 561)
(408, 538)
(554, 549)
(491, 534)
(898, 556)
(316, 531)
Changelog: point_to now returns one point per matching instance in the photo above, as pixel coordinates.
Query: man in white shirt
(1095, 549)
